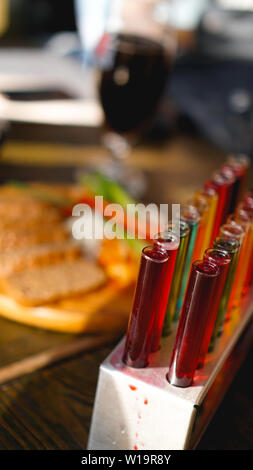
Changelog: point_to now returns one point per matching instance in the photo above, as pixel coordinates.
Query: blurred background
(65, 78)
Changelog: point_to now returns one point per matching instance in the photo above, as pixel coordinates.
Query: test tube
(192, 324)
(222, 259)
(174, 290)
(211, 199)
(248, 214)
(248, 200)
(191, 216)
(240, 218)
(202, 206)
(223, 186)
(233, 230)
(168, 242)
(244, 162)
(147, 294)
(231, 246)
(238, 170)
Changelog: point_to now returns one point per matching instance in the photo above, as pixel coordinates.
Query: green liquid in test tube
(174, 290)
(191, 216)
(232, 246)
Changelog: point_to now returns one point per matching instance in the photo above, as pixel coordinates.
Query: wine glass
(131, 46)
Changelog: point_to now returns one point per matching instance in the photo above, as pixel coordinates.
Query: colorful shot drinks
(193, 322)
(222, 259)
(176, 280)
(175, 283)
(150, 281)
(169, 243)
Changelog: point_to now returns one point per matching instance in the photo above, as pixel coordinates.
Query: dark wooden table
(51, 408)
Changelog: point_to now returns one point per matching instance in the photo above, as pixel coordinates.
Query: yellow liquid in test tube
(210, 201)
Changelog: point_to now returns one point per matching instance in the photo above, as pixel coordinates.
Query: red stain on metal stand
(132, 387)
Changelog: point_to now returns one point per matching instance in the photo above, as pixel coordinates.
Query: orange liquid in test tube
(242, 267)
(211, 199)
(249, 275)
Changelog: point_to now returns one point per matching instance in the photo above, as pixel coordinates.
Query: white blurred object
(236, 4)
(57, 112)
(185, 14)
(63, 43)
(92, 17)
(29, 69)
(144, 18)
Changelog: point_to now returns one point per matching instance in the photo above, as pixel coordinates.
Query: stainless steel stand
(138, 409)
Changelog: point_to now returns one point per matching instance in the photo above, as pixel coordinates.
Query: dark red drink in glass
(147, 295)
(133, 80)
(193, 322)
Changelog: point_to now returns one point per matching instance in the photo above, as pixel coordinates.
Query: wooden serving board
(102, 311)
(34, 337)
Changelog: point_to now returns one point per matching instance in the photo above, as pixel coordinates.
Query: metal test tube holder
(138, 409)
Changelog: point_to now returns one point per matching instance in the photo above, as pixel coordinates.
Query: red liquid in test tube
(223, 186)
(242, 162)
(222, 259)
(248, 200)
(147, 294)
(192, 324)
(238, 171)
(166, 241)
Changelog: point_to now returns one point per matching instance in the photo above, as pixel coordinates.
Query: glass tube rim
(243, 223)
(221, 180)
(155, 260)
(194, 215)
(242, 158)
(233, 242)
(175, 242)
(225, 231)
(184, 228)
(195, 266)
(242, 213)
(223, 261)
